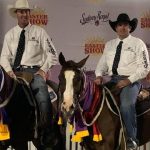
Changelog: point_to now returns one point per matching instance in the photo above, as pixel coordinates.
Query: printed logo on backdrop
(94, 46)
(39, 17)
(145, 20)
(98, 18)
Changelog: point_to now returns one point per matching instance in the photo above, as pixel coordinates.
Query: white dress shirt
(39, 49)
(134, 59)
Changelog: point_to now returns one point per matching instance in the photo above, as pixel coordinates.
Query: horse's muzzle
(67, 109)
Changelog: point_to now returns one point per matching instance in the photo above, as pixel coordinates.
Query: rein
(86, 97)
(16, 81)
(14, 85)
(120, 118)
(6, 101)
(96, 116)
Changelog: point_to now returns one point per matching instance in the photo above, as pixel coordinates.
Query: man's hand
(98, 80)
(11, 74)
(41, 73)
(123, 83)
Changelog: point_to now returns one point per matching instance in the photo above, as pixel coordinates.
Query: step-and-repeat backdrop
(80, 27)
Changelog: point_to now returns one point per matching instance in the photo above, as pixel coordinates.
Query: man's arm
(50, 54)
(101, 68)
(143, 65)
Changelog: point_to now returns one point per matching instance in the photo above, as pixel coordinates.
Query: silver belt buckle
(24, 66)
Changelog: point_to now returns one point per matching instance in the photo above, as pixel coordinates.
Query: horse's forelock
(70, 65)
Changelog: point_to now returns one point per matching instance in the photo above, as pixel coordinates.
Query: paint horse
(20, 112)
(103, 117)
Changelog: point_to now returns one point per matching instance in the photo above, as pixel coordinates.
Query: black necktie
(117, 58)
(20, 49)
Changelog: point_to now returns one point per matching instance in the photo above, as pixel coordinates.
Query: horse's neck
(6, 84)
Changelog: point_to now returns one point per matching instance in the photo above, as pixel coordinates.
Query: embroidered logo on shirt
(145, 60)
(129, 49)
(51, 50)
(34, 39)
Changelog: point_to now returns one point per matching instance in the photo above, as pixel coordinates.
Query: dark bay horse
(23, 116)
(72, 81)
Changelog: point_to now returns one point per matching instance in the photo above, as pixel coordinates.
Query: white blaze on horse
(68, 93)
(70, 82)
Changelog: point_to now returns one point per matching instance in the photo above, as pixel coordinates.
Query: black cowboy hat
(124, 18)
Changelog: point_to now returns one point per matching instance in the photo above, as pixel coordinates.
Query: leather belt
(123, 76)
(22, 67)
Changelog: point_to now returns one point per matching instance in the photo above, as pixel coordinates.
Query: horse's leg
(4, 145)
(110, 134)
(37, 144)
(21, 145)
(61, 137)
(3, 148)
(50, 139)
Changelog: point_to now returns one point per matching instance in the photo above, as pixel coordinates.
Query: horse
(19, 111)
(72, 81)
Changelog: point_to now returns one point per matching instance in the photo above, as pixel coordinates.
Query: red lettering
(44, 22)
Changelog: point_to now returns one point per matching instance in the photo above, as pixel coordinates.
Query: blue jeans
(40, 92)
(128, 98)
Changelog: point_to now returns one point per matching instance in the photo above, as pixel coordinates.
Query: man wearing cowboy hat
(37, 56)
(126, 60)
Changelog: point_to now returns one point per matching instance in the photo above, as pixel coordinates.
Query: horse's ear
(62, 60)
(82, 62)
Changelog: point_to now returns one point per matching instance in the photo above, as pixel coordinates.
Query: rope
(114, 101)
(100, 110)
(96, 116)
(108, 104)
